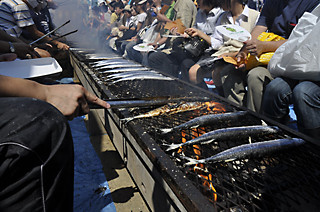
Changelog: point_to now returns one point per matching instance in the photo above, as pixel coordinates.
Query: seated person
(278, 17)
(297, 80)
(151, 35)
(16, 18)
(42, 19)
(237, 13)
(305, 97)
(179, 61)
(140, 7)
(126, 28)
(36, 148)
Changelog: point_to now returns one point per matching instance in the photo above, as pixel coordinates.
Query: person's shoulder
(13, 3)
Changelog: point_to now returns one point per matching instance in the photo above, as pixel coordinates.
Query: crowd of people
(36, 165)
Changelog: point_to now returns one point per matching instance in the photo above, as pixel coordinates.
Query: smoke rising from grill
(78, 13)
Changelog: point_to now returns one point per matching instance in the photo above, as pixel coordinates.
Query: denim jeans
(305, 97)
(133, 54)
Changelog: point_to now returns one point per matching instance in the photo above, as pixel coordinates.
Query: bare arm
(139, 26)
(71, 100)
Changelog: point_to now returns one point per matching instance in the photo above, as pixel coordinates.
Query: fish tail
(191, 161)
(165, 131)
(127, 120)
(172, 146)
(208, 142)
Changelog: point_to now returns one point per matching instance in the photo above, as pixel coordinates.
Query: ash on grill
(282, 181)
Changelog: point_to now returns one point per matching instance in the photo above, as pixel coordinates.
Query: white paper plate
(30, 68)
(173, 36)
(235, 32)
(143, 47)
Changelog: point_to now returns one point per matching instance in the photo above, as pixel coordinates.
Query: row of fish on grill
(116, 69)
(257, 149)
(113, 71)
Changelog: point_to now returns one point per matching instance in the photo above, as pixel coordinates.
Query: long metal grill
(283, 181)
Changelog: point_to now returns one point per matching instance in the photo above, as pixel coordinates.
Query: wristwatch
(158, 43)
(12, 49)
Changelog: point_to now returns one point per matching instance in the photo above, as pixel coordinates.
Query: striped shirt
(14, 15)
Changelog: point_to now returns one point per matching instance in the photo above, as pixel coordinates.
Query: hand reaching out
(72, 100)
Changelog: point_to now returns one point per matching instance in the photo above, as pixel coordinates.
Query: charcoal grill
(286, 181)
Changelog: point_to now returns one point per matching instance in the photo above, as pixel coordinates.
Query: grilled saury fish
(205, 120)
(257, 149)
(227, 133)
(172, 109)
(143, 77)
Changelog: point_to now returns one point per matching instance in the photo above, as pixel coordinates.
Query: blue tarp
(91, 190)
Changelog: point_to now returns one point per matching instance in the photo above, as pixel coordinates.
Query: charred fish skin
(257, 149)
(227, 133)
(205, 120)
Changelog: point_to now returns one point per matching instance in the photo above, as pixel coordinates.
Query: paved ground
(125, 195)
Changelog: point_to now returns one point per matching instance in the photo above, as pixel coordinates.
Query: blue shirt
(280, 16)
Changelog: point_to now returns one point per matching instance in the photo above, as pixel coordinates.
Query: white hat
(127, 8)
(142, 2)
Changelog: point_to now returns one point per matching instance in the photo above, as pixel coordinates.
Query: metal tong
(146, 102)
(52, 31)
(69, 33)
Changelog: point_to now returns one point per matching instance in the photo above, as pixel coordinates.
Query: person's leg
(133, 54)
(257, 79)
(306, 101)
(186, 64)
(163, 62)
(36, 157)
(232, 82)
(277, 98)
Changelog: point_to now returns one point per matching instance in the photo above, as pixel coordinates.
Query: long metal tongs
(52, 31)
(147, 102)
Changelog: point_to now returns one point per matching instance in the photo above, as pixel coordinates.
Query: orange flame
(205, 177)
(184, 140)
(215, 106)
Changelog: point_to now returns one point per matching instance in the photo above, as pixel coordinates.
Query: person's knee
(193, 73)
(275, 87)
(153, 59)
(301, 94)
(257, 75)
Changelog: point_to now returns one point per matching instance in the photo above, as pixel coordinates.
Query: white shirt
(141, 18)
(207, 22)
(217, 38)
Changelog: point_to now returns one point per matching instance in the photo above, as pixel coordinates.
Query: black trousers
(36, 157)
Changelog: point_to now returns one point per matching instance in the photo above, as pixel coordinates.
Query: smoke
(80, 16)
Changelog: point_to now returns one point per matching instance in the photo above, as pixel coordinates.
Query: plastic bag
(299, 57)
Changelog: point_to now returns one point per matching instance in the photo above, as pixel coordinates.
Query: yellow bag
(265, 57)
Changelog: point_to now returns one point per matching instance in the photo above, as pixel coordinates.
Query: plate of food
(143, 47)
(235, 32)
